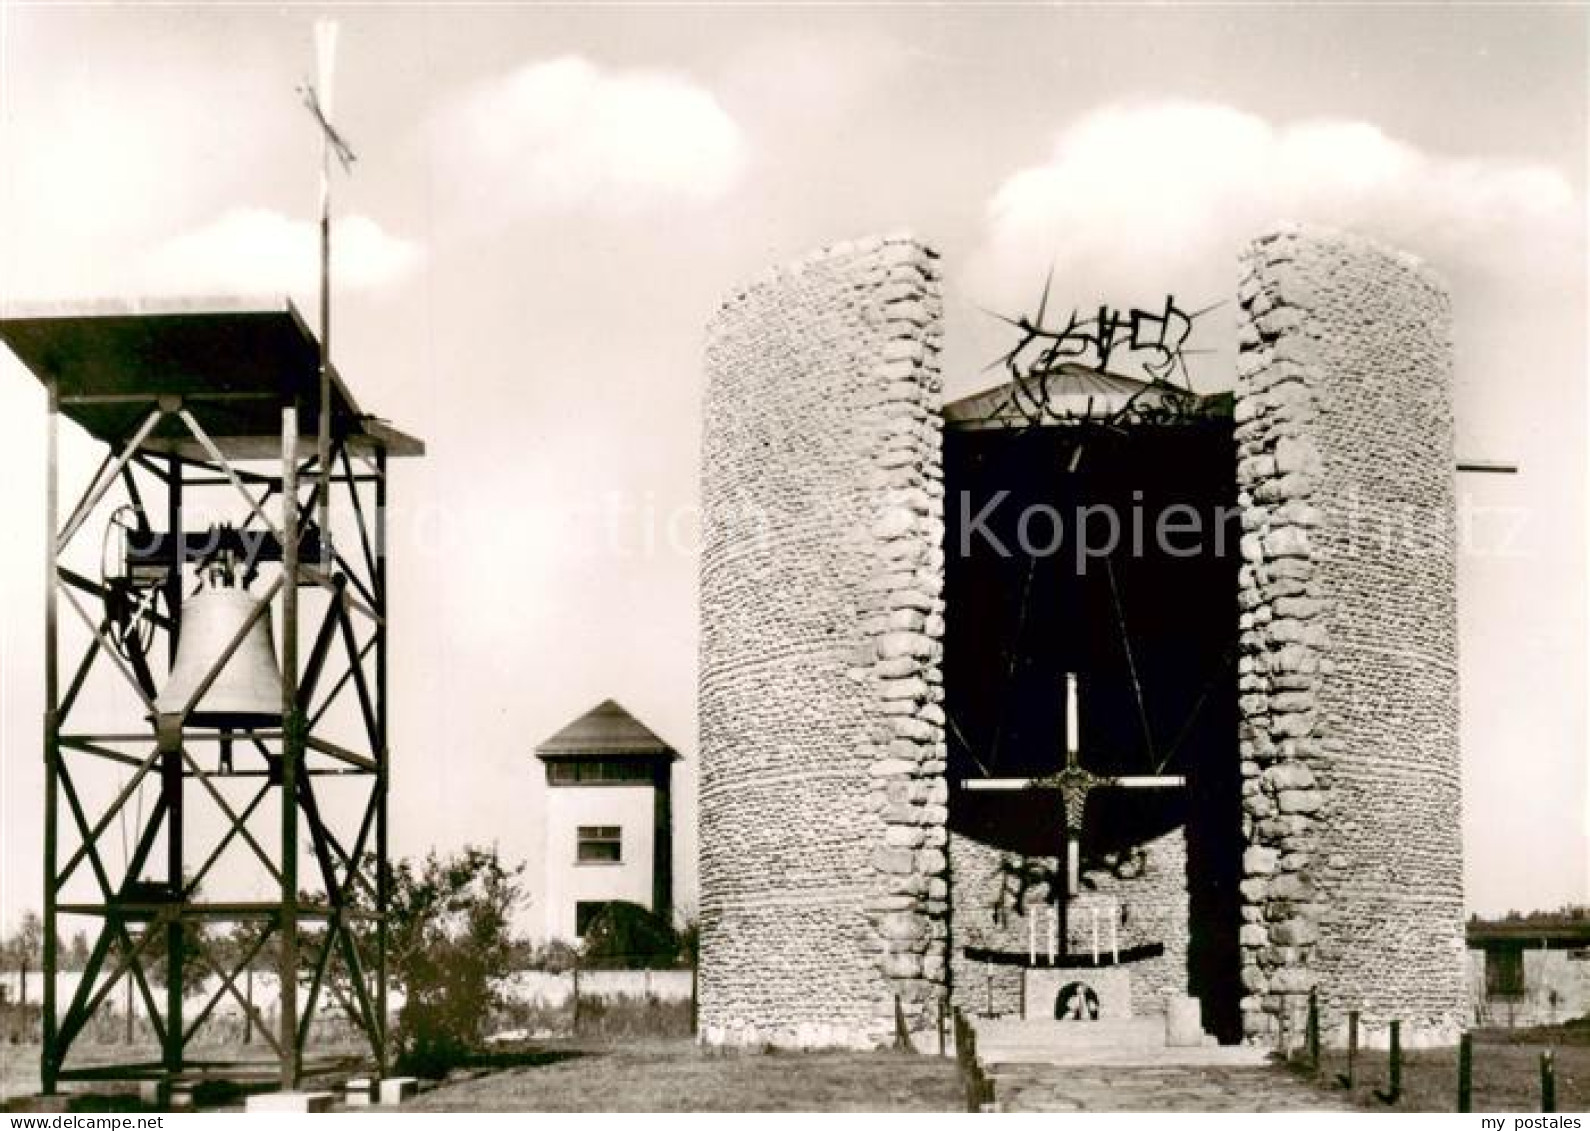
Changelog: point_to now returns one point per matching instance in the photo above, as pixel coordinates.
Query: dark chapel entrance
(1036, 586)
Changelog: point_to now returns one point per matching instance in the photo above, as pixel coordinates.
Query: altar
(1075, 936)
(1070, 993)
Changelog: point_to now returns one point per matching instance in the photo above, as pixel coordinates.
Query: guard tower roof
(606, 729)
(234, 362)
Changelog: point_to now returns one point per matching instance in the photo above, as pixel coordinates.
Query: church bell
(248, 690)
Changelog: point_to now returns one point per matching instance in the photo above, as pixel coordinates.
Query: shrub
(450, 947)
(627, 936)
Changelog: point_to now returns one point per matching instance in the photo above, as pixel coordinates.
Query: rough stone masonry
(823, 800)
(1348, 675)
(826, 894)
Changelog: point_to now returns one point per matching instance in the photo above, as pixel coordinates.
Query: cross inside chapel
(1074, 783)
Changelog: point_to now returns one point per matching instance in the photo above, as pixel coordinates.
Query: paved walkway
(1030, 1087)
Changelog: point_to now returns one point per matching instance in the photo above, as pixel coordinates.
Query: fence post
(902, 1035)
(1394, 1084)
(1466, 1073)
(979, 1085)
(1313, 1030)
(1548, 1082)
(1352, 1045)
(576, 1023)
(695, 1007)
(941, 1026)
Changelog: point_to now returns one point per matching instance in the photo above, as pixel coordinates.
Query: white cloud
(256, 250)
(565, 135)
(1141, 199)
(805, 80)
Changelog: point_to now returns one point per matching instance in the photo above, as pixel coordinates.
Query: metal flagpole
(325, 68)
(318, 99)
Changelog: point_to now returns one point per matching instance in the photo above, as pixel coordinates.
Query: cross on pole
(317, 100)
(1075, 783)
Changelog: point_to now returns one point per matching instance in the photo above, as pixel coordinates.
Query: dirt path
(1151, 1088)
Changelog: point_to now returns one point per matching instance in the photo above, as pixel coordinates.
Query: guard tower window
(599, 844)
(597, 771)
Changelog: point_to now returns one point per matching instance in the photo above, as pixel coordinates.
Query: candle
(1071, 713)
(1093, 921)
(1115, 935)
(1054, 930)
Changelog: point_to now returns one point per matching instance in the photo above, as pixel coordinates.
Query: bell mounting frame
(194, 403)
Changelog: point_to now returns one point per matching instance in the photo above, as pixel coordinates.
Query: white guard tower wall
(609, 820)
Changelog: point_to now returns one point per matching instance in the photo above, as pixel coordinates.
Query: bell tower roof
(230, 361)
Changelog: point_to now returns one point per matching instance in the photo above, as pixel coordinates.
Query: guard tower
(613, 842)
(242, 496)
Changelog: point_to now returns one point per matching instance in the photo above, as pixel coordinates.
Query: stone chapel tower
(832, 881)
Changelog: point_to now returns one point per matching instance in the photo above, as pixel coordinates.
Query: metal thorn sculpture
(1155, 340)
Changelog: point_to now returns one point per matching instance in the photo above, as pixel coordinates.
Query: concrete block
(396, 1089)
(1184, 1023)
(42, 1104)
(290, 1102)
(359, 1092)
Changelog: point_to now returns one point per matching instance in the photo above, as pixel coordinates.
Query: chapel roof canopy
(1072, 393)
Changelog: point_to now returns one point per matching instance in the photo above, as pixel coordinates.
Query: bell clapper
(220, 568)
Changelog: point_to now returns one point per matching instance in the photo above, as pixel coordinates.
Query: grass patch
(1506, 1072)
(678, 1075)
(19, 1074)
(627, 1017)
(622, 1016)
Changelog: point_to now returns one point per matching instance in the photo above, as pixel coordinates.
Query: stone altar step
(1013, 1039)
(1125, 1042)
(1205, 1056)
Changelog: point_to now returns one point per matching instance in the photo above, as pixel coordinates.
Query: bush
(451, 944)
(555, 957)
(627, 936)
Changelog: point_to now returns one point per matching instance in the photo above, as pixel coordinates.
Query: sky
(550, 202)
